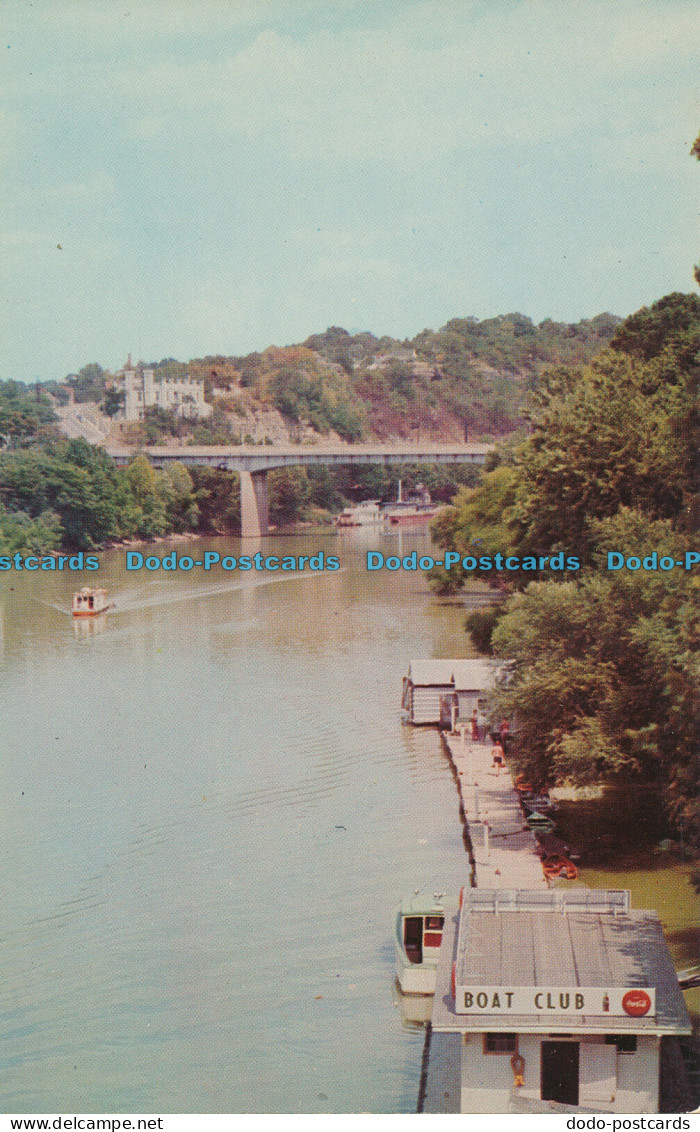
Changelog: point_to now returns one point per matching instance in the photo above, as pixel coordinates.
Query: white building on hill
(182, 396)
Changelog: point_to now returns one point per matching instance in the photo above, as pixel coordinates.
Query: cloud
(354, 95)
(223, 173)
(320, 85)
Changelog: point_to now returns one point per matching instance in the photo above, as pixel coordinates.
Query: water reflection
(415, 1009)
(86, 627)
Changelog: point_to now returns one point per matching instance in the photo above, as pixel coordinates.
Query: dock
(502, 853)
(503, 849)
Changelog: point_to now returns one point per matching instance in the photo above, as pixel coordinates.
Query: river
(210, 809)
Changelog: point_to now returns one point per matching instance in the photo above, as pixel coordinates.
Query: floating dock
(503, 849)
(502, 854)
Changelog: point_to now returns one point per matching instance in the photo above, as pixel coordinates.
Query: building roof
(559, 947)
(462, 675)
(473, 675)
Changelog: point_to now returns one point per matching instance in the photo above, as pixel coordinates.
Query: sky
(193, 177)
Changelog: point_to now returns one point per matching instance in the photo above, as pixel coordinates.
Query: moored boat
(549, 845)
(689, 978)
(88, 603)
(559, 866)
(416, 506)
(540, 822)
(361, 515)
(419, 923)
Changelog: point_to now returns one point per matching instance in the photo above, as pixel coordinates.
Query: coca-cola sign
(636, 1003)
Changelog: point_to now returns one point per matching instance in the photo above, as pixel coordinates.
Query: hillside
(469, 379)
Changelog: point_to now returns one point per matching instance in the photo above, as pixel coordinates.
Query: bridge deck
(252, 462)
(261, 457)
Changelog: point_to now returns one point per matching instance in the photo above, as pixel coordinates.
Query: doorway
(559, 1072)
(413, 938)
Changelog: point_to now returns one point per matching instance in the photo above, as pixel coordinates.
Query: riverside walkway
(503, 855)
(503, 846)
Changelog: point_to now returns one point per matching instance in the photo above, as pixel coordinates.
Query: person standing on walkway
(498, 756)
(475, 726)
(503, 731)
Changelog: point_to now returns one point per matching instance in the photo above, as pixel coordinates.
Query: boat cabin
(559, 1000)
(87, 602)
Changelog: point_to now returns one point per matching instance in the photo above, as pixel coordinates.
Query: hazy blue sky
(188, 177)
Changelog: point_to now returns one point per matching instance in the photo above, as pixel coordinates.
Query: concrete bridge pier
(254, 504)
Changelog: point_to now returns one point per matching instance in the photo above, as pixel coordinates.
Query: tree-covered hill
(470, 378)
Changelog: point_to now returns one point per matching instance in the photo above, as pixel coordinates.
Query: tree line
(603, 663)
(470, 378)
(60, 494)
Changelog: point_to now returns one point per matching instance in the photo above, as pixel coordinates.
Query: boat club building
(433, 687)
(557, 997)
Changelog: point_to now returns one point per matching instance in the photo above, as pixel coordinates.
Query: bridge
(252, 463)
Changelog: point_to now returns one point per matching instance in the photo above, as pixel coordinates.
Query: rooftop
(463, 675)
(560, 945)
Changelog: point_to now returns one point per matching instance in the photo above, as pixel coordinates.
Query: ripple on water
(220, 811)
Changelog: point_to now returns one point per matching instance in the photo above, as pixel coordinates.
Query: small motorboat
(559, 866)
(88, 603)
(419, 924)
(548, 845)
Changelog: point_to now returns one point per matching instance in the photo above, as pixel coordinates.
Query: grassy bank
(637, 855)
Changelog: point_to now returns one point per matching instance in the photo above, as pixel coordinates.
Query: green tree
(604, 671)
(176, 489)
(669, 321)
(21, 532)
(151, 516)
(218, 499)
(113, 401)
(288, 494)
(89, 383)
(24, 417)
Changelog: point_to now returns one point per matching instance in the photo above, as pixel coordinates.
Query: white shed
(432, 687)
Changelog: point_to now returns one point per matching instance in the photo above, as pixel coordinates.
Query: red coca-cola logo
(636, 1003)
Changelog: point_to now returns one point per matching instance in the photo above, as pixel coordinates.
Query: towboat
(88, 603)
(415, 506)
(419, 924)
(364, 513)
